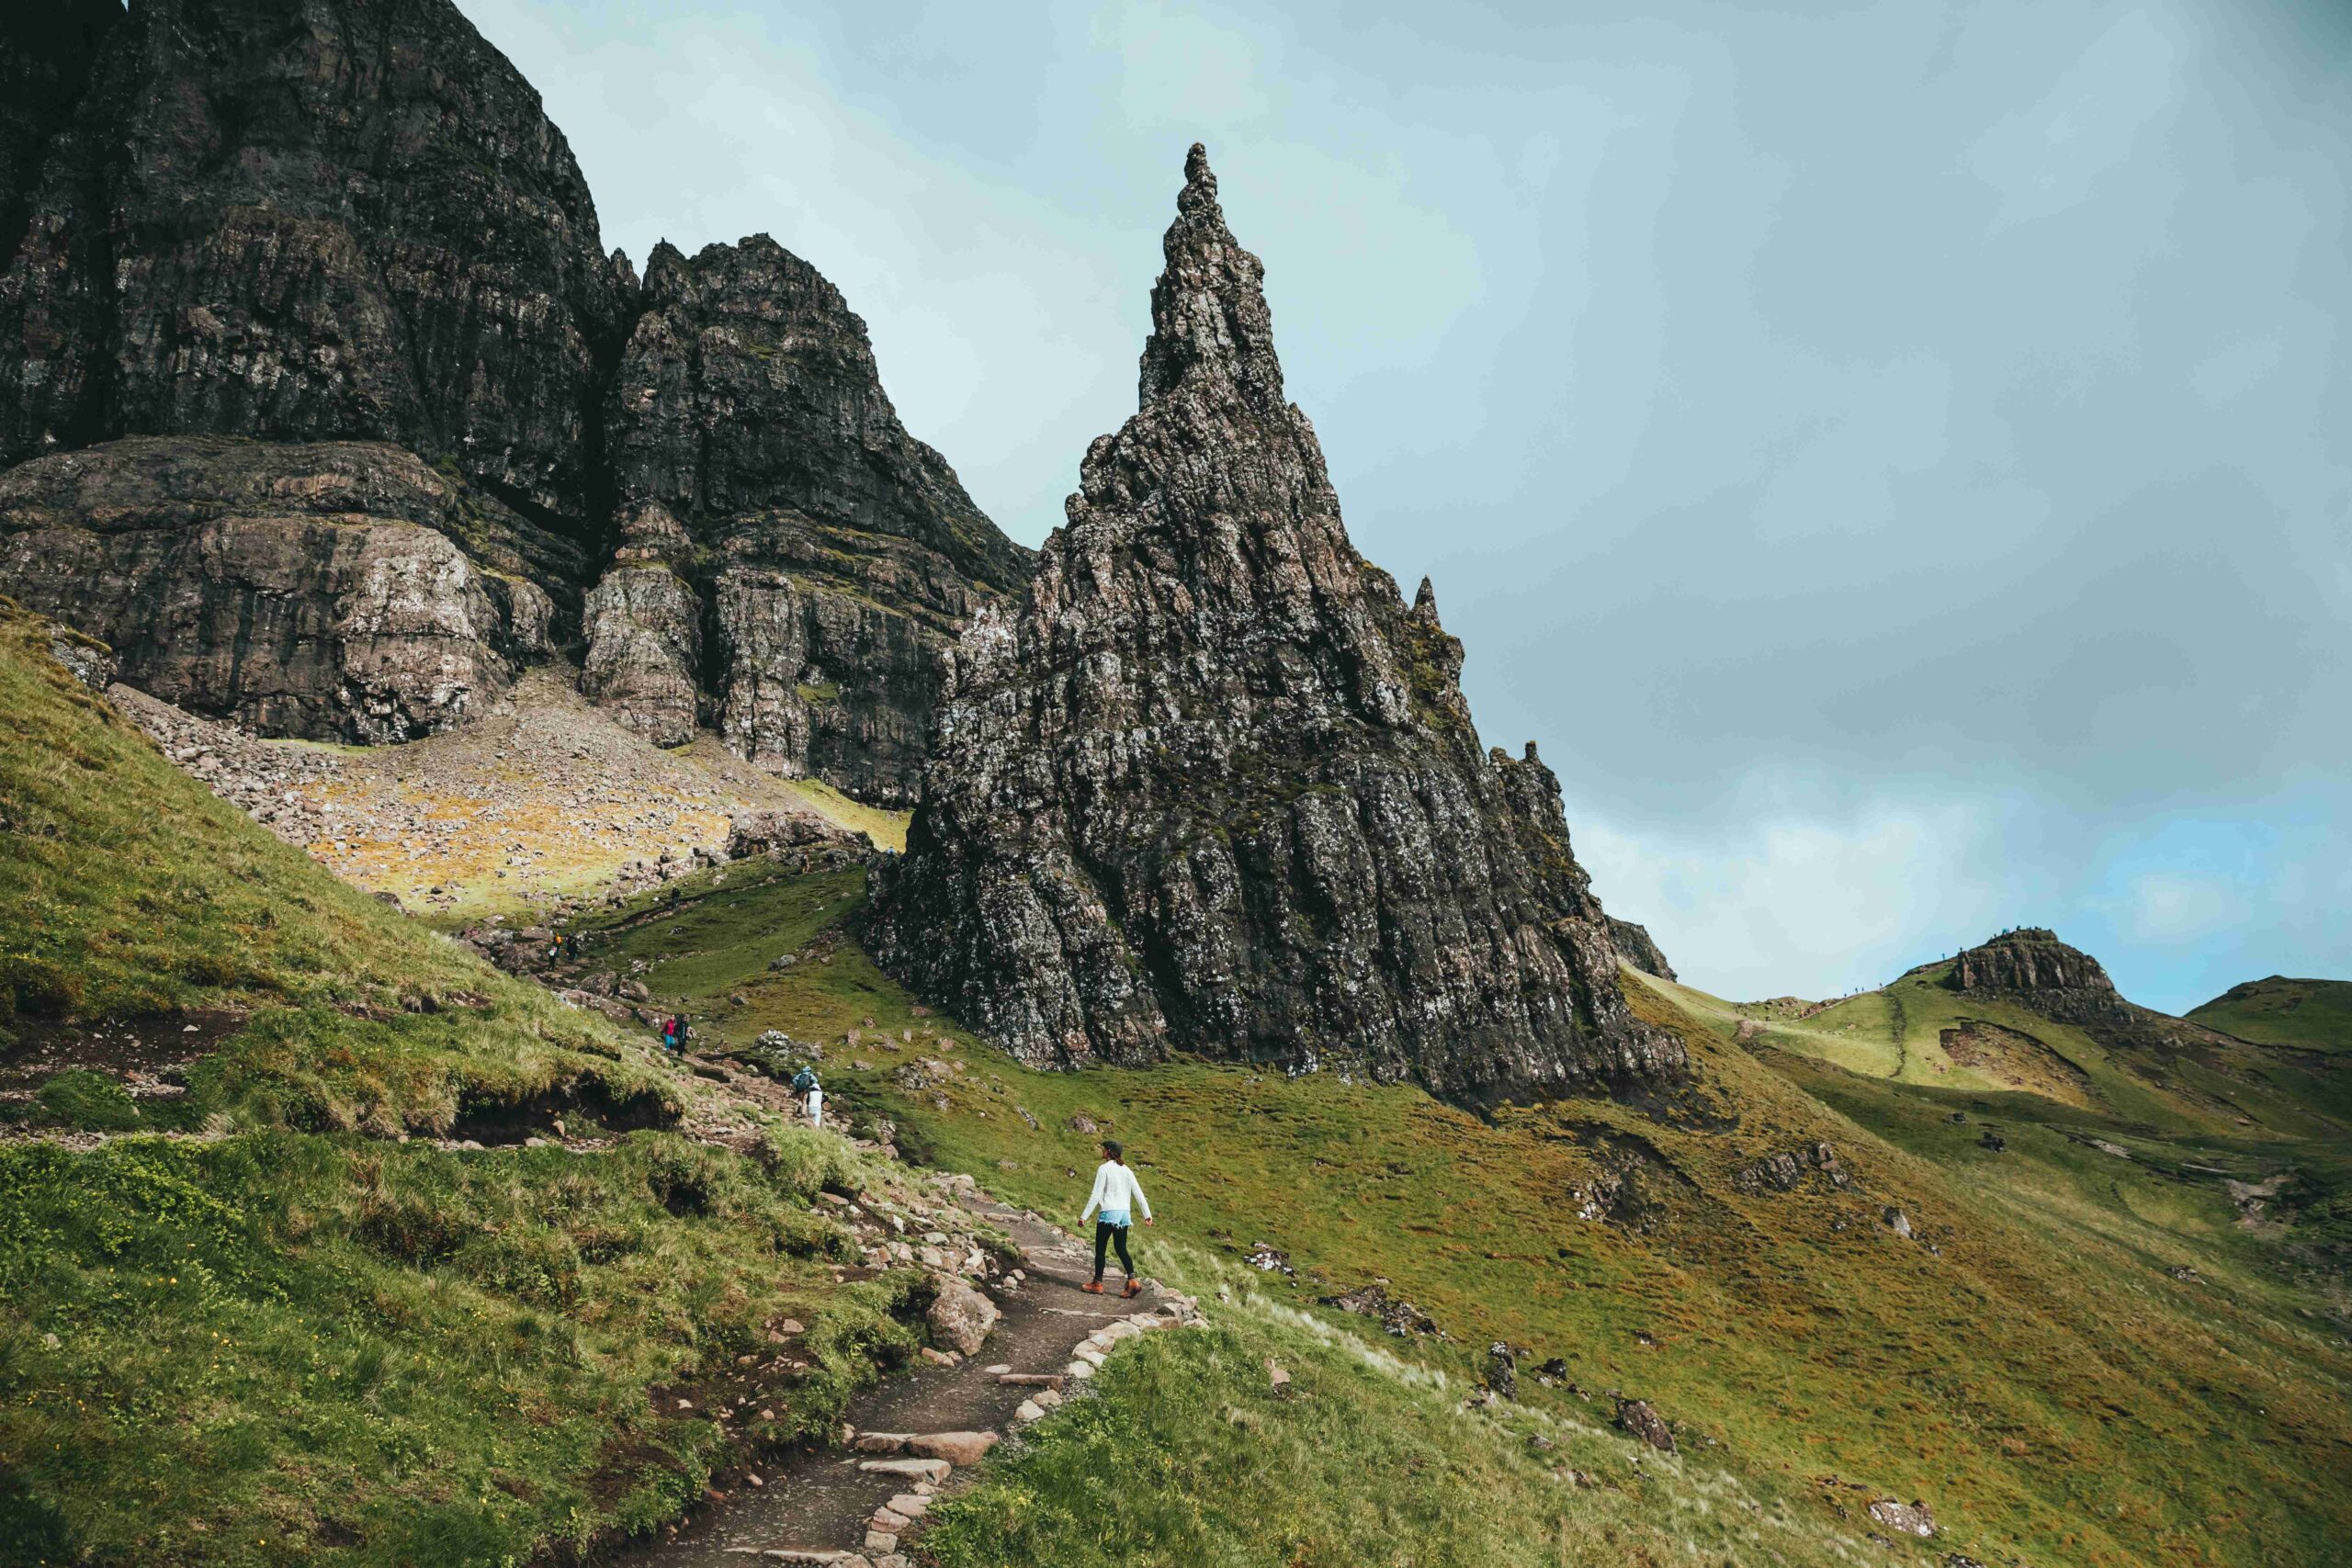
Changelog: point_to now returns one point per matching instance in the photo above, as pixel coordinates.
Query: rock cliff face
(2054, 979)
(46, 51)
(1213, 787)
(827, 557)
(1635, 946)
(349, 222)
(300, 220)
(312, 589)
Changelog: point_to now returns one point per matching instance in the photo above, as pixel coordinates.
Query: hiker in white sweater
(1120, 1197)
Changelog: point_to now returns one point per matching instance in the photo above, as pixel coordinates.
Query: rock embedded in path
(960, 1314)
(933, 1470)
(1214, 783)
(956, 1447)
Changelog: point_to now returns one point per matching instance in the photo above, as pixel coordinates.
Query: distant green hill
(2315, 1015)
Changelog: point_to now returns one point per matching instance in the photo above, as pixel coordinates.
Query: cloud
(1783, 902)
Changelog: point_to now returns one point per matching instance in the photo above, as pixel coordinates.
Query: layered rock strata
(1214, 786)
(2029, 968)
(313, 589)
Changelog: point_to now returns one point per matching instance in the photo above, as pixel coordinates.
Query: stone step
(1031, 1380)
(917, 1469)
(956, 1447)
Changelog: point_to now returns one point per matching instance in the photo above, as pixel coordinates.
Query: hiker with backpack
(804, 1083)
(1120, 1197)
(673, 1035)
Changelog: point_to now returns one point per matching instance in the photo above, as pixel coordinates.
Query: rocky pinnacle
(1213, 786)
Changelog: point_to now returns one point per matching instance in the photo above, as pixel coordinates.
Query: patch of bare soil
(2019, 1061)
(147, 1051)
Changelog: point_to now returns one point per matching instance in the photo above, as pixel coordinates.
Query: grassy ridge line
(2042, 1380)
(297, 1338)
(2311, 1015)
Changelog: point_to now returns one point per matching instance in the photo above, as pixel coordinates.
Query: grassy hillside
(2311, 1015)
(2075, 1358)
(263, 1305)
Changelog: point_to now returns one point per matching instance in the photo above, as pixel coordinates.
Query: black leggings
(1108, 1235)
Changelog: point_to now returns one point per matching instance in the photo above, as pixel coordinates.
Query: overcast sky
(1894, 458)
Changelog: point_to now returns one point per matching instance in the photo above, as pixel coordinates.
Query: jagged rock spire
(1217, 789)
(1209, 322)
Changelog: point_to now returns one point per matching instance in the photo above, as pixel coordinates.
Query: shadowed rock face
(2030, 968)
(1213, 787)
(828, 558)
(315, 589)
(303, 219)
(350, 220)
(46, 50)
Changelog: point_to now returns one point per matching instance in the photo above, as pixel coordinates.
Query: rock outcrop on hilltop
(350, 221)
(1214, 788)
(768, 493)
(334, 588)
(2030, 968)
(2032, 963)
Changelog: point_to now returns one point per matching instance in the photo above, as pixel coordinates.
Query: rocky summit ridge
(303, 223)
(1213, 786)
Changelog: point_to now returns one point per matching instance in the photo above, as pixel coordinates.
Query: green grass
(308, 1334)
(2313, 1015)
(2041, 1377)
(279, 1349)
(1186, 1457)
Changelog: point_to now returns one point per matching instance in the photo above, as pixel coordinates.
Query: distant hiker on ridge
(1117, 1193)
(804, 1083)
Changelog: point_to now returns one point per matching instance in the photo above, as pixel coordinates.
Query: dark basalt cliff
(1214, 788)
(350, 221)
(818, 558)
(299, 219)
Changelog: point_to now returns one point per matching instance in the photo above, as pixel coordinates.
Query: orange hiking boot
(1135, 1287)
(1093, 1287)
